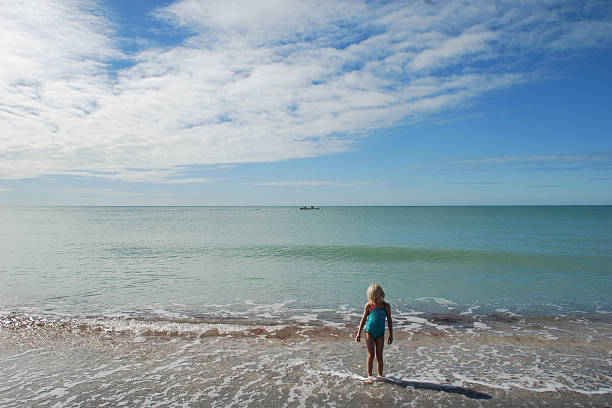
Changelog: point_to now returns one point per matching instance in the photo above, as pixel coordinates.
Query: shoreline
(69, 364)
(592, 331)
(234, 372)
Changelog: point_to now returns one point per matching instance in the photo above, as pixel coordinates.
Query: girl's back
(376, 320)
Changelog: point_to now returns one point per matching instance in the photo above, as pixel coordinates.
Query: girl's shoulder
(378, 306)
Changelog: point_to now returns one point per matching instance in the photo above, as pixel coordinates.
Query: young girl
(375, 312)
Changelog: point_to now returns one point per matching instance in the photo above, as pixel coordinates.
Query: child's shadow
(453, 389)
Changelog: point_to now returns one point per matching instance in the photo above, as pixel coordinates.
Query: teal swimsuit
(376, 321)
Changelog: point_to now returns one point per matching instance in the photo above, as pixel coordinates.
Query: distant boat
(309, 208)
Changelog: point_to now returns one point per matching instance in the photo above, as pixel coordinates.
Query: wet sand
(87, 368)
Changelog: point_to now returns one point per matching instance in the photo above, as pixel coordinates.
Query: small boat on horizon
(309, 208)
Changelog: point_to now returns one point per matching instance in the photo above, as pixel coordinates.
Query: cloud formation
(556, 161)
(257, 81)
(318, 183)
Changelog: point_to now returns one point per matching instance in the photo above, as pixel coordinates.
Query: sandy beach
(74, 364)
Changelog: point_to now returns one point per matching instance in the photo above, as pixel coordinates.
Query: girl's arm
(389, 322)
(366, 312)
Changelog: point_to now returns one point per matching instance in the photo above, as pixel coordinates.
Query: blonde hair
(375, 292)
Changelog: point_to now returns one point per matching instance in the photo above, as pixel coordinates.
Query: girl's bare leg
(371, 352)
(380, 344)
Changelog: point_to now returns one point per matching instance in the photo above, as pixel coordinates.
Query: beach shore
(74, 365)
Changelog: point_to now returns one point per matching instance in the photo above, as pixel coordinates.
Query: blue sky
(193, 102)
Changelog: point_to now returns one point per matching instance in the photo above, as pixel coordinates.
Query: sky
(313, 102)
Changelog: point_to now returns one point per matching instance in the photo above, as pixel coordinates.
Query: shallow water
(139, 362)
(144, 260)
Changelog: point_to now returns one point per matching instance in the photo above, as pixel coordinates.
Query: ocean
(235, 306)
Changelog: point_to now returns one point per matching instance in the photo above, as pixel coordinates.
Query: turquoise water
(278, 261)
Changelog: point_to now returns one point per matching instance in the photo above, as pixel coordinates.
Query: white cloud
(551, 161)
(96, 192)
(257, 81)
(452, 49)
(198, 180)
(318, 183)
